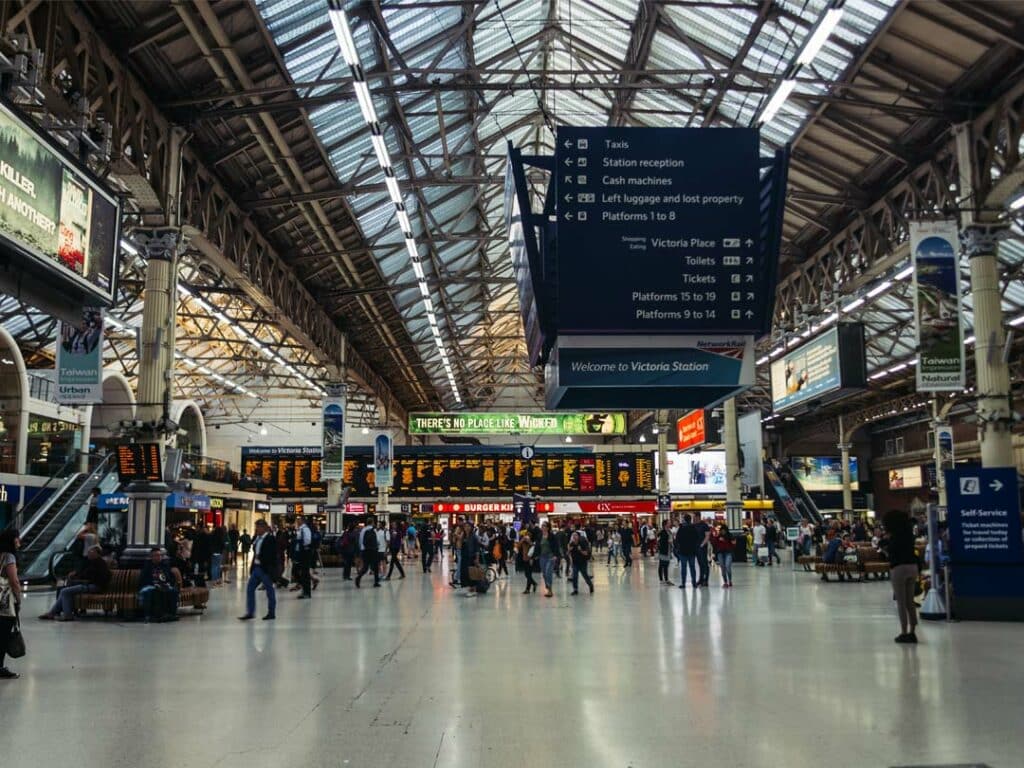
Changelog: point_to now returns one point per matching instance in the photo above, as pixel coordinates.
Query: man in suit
(264, 567)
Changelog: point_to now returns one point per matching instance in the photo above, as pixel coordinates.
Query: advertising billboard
(690, 430)
(820, 370)
(332, 466)
(79, 360)
(702, 472)
(383, 460)
(935, 248)
(905, 477)
(560, 424)
(54, 218)
(823, 473)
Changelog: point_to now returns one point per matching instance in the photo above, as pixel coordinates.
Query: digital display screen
(702, 472)
(139, 462)
(296, 472)
(54, 214)
(823, 473)
(806, 372)
(906, 477)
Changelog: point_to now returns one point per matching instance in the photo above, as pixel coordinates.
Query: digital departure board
(139, 462)
(296, 472)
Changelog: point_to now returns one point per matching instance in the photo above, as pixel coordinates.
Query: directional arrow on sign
(568, 216)
(568, 198)
(749, 314)
(568, 179)
(568, 161)
(749, 242)
(568, 144)
(750, 296)
(996, 485)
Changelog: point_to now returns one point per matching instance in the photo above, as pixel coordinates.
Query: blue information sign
(984, 516)
(658, 231)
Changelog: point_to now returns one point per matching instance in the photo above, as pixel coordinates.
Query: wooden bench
(842, 570)
(122, 595)
(808, 562)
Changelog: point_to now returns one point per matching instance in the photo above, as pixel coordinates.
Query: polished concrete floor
(783, 670)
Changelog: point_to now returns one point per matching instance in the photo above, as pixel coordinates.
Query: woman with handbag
(10, 599)
(525, 554)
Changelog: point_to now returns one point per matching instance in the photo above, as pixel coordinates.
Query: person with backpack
(771, 540)
(688, 542)
(426, 542)
(579, 554)
(347, 547)
(368, 551)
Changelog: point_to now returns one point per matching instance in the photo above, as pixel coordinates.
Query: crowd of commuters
(194, 554)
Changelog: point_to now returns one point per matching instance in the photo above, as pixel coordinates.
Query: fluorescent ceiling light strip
(904, 273)
(820, 36)
(1018, 203)
(880, 288)
(393, 190)
(777, 100)
(1017, 320)
(853, 304)
(381, 150)
(343, 33)
(763, 360)
(417, 268)
(126, 246)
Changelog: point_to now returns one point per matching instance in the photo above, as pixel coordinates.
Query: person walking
(758, 541)
(304, 558)
(348, 547)
(626, 545)
(547, 550)
(771, 540)
(262, 570)
(903, 571)
(526, 555)
(579, 555)
(723, 545)
(499, 552)
(10, 595)
(368, 550)
(395, 550)
(426, 541)
(233, 539)
(614, 543)
(688, 541)
(703, 565)
(664, 553)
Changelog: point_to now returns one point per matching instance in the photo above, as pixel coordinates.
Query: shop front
(188, 509)
(51, 443)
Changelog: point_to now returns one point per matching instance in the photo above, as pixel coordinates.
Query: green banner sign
(517, 423)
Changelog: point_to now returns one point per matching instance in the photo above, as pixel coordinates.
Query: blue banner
(383, 460)
(197, 501)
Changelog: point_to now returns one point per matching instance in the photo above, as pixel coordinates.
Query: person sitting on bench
(834, 553)
(94, 576)
(158, 593)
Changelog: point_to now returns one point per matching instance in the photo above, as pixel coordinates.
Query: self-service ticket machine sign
(986, 552)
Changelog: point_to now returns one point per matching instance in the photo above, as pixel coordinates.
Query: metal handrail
(39, 499)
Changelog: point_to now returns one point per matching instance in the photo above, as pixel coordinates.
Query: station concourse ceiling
(270, 109)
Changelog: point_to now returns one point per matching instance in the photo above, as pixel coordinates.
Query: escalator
(788, 509)
(802, 498)
(50, 528)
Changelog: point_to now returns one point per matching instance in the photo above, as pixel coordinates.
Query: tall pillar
(733, 478)
(335, 505)
(147, 510)
(661, 422)
(844, 447)
(940, 476)
(980, 239)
